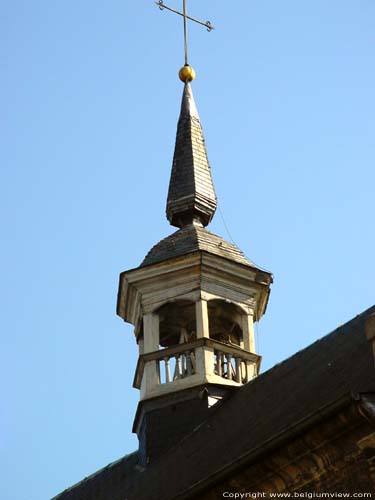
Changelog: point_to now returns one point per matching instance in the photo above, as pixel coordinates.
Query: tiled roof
(335, 366)
(102, 484)
(191, 192)
(193, 238)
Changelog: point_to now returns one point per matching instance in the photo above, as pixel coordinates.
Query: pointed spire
(191, 195)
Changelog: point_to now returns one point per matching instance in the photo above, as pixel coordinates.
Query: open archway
(225, 322)
(177, 323)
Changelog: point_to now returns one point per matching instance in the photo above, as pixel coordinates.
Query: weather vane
(186, 73)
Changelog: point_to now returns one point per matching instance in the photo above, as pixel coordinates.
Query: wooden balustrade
(176, 366)
(231, 367)
(180, 361)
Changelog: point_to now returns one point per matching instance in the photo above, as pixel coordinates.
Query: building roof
(193, 238)
(278, 402)
(191, 194)
(100, 484)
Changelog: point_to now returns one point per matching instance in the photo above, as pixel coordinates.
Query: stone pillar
(201, 312)
(150, 379)
(248, 332)
(150, 332)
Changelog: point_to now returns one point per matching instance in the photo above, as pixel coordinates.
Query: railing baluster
(167, 370)
(229, 366)
(158, 371)
(243, 372)
(183, 364)
(219, 362)
(238, 373)
(188, 364)
(177, 370)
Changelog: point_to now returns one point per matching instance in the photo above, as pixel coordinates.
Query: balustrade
(176, 366)
(231, 366)
(202, 357)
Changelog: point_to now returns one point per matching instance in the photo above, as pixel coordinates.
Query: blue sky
(90, 100)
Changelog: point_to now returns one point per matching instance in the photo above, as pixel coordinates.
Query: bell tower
(193, 302)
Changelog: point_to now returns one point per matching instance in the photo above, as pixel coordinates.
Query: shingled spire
(191, 195)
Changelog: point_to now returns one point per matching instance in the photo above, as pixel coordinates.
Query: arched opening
(177, 323)
(225, 322)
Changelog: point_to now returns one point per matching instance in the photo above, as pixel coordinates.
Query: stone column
(201, 312)
(249, 343)
(248, 332)
(151, 332)
(150, 379)
(204, 355)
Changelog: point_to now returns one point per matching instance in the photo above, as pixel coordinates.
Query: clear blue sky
(89, 100)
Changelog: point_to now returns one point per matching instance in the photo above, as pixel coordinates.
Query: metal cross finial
(206, 24)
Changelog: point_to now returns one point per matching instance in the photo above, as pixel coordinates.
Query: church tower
(193, 302)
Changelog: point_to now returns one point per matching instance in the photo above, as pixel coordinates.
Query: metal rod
(185, 34)
(207, 24)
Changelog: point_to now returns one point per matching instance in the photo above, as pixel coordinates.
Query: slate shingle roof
(191, 192)
(192, 239)
(102, 484)
(335, 366)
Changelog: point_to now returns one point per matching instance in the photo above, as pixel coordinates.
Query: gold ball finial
(186, 73)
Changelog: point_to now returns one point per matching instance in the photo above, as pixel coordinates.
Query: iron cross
(206, 24)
